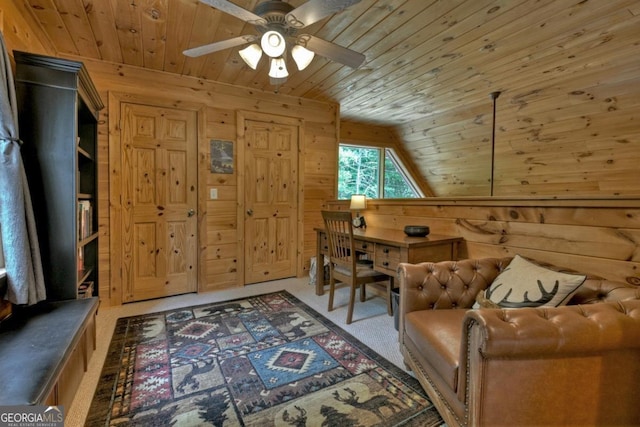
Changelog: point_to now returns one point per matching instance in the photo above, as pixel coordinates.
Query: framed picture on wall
(221, 156)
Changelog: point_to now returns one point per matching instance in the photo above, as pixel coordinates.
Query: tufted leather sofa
(577, 364)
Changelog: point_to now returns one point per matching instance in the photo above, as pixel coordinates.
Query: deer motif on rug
(294, 321)
(190, 378)
(373, 405)
(299, 420)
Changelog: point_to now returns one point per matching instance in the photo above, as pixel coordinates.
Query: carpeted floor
(262, 360)
(371, 325)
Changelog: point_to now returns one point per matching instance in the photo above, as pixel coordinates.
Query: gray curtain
(25, 279)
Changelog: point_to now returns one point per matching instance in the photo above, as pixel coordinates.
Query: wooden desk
(387, 248)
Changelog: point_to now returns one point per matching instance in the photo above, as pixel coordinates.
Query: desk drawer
(387, 257)
(435, 253)
(362, 246)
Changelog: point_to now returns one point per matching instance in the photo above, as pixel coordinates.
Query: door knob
(191, 213)
(250, 212)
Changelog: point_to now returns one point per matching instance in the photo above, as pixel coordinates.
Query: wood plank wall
(221, 250)
(18, 33)
(597, 236)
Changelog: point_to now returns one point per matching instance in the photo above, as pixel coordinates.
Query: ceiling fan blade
(235, 10)
(314, 10)
(221, 45)
(332, 51)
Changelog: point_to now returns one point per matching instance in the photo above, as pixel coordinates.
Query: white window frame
(400, 167)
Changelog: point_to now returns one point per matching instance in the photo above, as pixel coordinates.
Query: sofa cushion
(437, 334)
(525, 284)
(596, 289)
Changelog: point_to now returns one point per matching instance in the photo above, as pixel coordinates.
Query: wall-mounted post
(494, 96)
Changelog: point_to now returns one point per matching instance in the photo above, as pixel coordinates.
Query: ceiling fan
(278, 24)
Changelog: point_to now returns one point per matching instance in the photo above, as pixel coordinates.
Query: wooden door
(271, 200)
(159, 201)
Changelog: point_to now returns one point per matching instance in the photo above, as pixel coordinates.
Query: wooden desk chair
(343, 261)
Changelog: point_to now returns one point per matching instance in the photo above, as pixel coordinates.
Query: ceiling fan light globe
(251, 55)
(273, 44)
(278, 68)
(277, 82)
(302, 56)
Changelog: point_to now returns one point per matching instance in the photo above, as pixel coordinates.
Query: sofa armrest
(570, 330)
(546, 357)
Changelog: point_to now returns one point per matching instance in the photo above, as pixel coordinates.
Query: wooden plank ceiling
(422, 56)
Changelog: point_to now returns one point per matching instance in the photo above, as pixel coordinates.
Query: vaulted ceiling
(566, 70)
(421, 55)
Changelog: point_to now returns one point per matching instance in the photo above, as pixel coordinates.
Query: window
(361, 170)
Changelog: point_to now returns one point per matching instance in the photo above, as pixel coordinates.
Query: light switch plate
(213, 193)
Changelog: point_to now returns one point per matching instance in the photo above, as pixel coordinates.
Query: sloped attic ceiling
(566, 70)
(421, 56)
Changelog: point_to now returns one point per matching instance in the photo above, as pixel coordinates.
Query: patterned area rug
(268, 360)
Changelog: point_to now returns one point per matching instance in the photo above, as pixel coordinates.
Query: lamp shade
(273, 43)
(251, 55)
(302, 56)
(278, 68)
(358, 202)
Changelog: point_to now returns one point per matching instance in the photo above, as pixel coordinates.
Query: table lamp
(358, 202)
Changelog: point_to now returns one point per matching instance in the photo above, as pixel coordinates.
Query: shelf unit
(58, 108)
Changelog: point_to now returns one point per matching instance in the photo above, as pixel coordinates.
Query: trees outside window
(361, 170)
